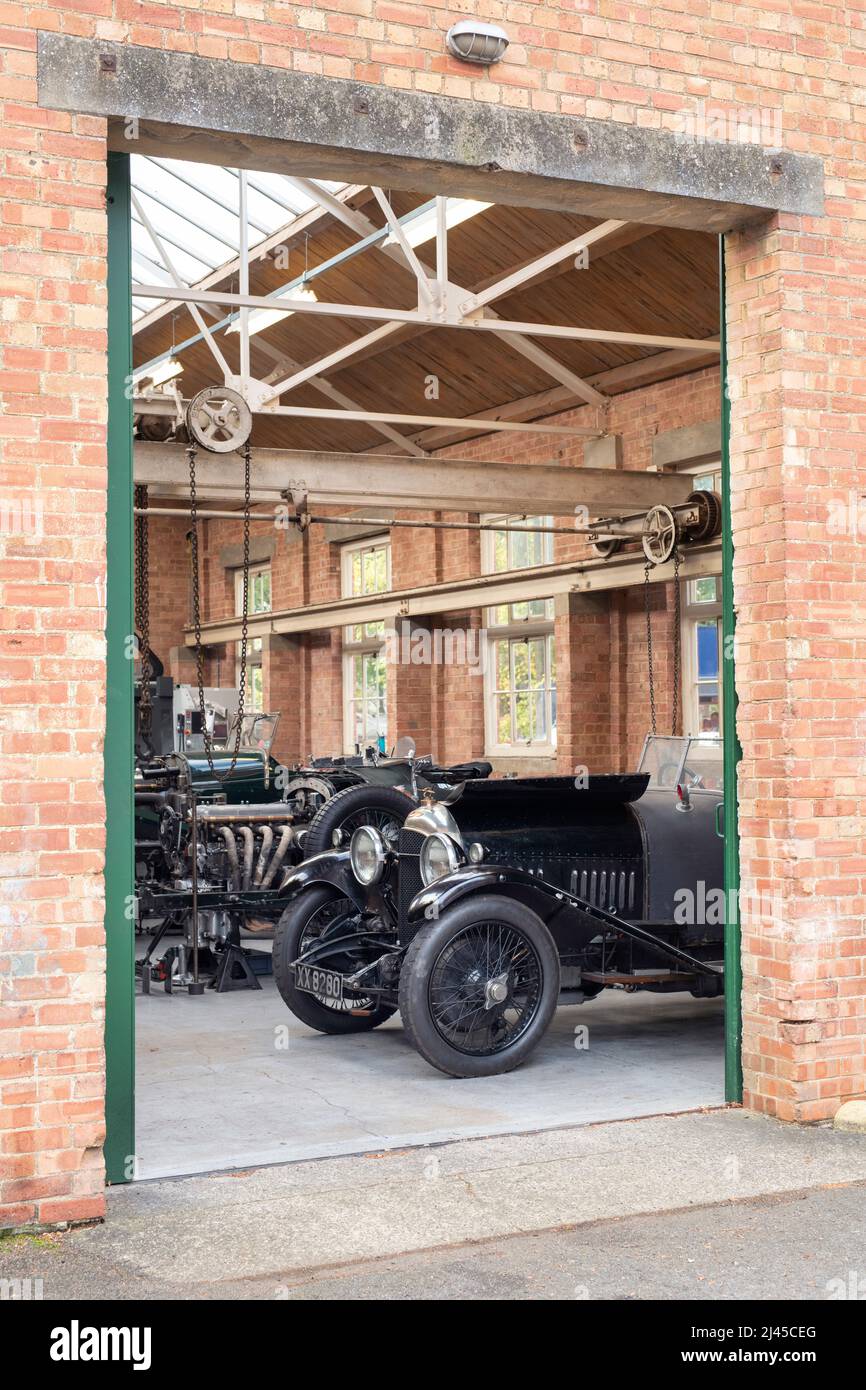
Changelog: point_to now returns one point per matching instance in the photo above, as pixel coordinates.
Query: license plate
(327, 984)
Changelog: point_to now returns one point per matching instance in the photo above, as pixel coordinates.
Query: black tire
(435, 951)
(383, 807)
(288, 944)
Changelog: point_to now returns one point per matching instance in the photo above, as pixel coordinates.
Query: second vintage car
(509, 898)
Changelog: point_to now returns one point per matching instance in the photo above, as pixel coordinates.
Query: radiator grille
(409, 878)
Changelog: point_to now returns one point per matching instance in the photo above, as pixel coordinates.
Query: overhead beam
(425, 484)
(459, 596)
(161, 406)
(386, 317)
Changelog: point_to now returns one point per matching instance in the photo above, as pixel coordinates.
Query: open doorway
(575, 641)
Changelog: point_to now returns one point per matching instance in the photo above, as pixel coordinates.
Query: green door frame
(732, 750)
(118, 763)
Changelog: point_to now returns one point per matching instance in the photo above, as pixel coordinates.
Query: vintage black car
(508, 898)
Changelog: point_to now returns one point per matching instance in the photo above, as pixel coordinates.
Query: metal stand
(235, 971)
(195, 985)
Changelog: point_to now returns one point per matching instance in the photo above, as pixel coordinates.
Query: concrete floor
(234, 1080)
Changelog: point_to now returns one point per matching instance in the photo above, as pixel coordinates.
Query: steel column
(118, 756)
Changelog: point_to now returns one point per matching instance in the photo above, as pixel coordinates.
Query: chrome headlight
(439, 855)
(367, 854)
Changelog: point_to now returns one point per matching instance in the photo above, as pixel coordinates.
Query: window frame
(254, 644)
(516, 630)
(368, 644)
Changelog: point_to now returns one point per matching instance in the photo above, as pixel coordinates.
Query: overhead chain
(142, 610)
(196, 612)
(677, 641)
(677, 637)
(649, 645)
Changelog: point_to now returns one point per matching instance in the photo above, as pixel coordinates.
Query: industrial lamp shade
(475, 42)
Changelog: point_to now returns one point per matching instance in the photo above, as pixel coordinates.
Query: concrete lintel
(603, 453)
(215, 111)
(571, 604)
(690, 444)
(261, 550)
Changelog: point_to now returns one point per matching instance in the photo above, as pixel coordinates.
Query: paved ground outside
(811, 1246)
(710, 1206)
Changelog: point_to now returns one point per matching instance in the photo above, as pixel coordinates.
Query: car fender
(444, 892)
(333, 868)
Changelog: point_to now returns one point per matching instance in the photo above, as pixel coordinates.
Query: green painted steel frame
(118, 754)
(732, 750)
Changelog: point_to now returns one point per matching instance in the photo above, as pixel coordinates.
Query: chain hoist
(142, 610)
(677, 641)
(677, 631)
(196, 612)
(649, 644)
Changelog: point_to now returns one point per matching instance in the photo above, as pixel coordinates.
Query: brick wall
(797, 330)
(52, 593)
(797, 339)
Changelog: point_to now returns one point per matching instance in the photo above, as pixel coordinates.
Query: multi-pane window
(702, 651)
(366, 570)
(711, 481)
(520, 675)
(258, 601)
(522, 690)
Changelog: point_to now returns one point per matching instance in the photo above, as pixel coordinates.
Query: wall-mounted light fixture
(475, 42)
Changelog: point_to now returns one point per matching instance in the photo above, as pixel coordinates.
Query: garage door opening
(484, 443)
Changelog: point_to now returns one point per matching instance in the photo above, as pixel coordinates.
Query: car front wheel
(317, 917)
(479, 987)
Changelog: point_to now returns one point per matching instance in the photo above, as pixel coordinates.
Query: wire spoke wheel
(383, 808)
(334, 921)
(326, 930)
(387, 825)
(485, 988)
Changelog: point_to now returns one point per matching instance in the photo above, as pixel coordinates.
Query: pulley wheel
(607, 546)
(709, 509)
(219, 419)
(659, 537)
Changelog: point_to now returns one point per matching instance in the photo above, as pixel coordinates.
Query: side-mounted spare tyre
(479, 987)
(382, 807)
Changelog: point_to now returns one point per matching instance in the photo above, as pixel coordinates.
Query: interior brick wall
(797, 330)
(602, 661)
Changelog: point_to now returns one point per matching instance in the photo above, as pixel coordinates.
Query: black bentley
(508, 898)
